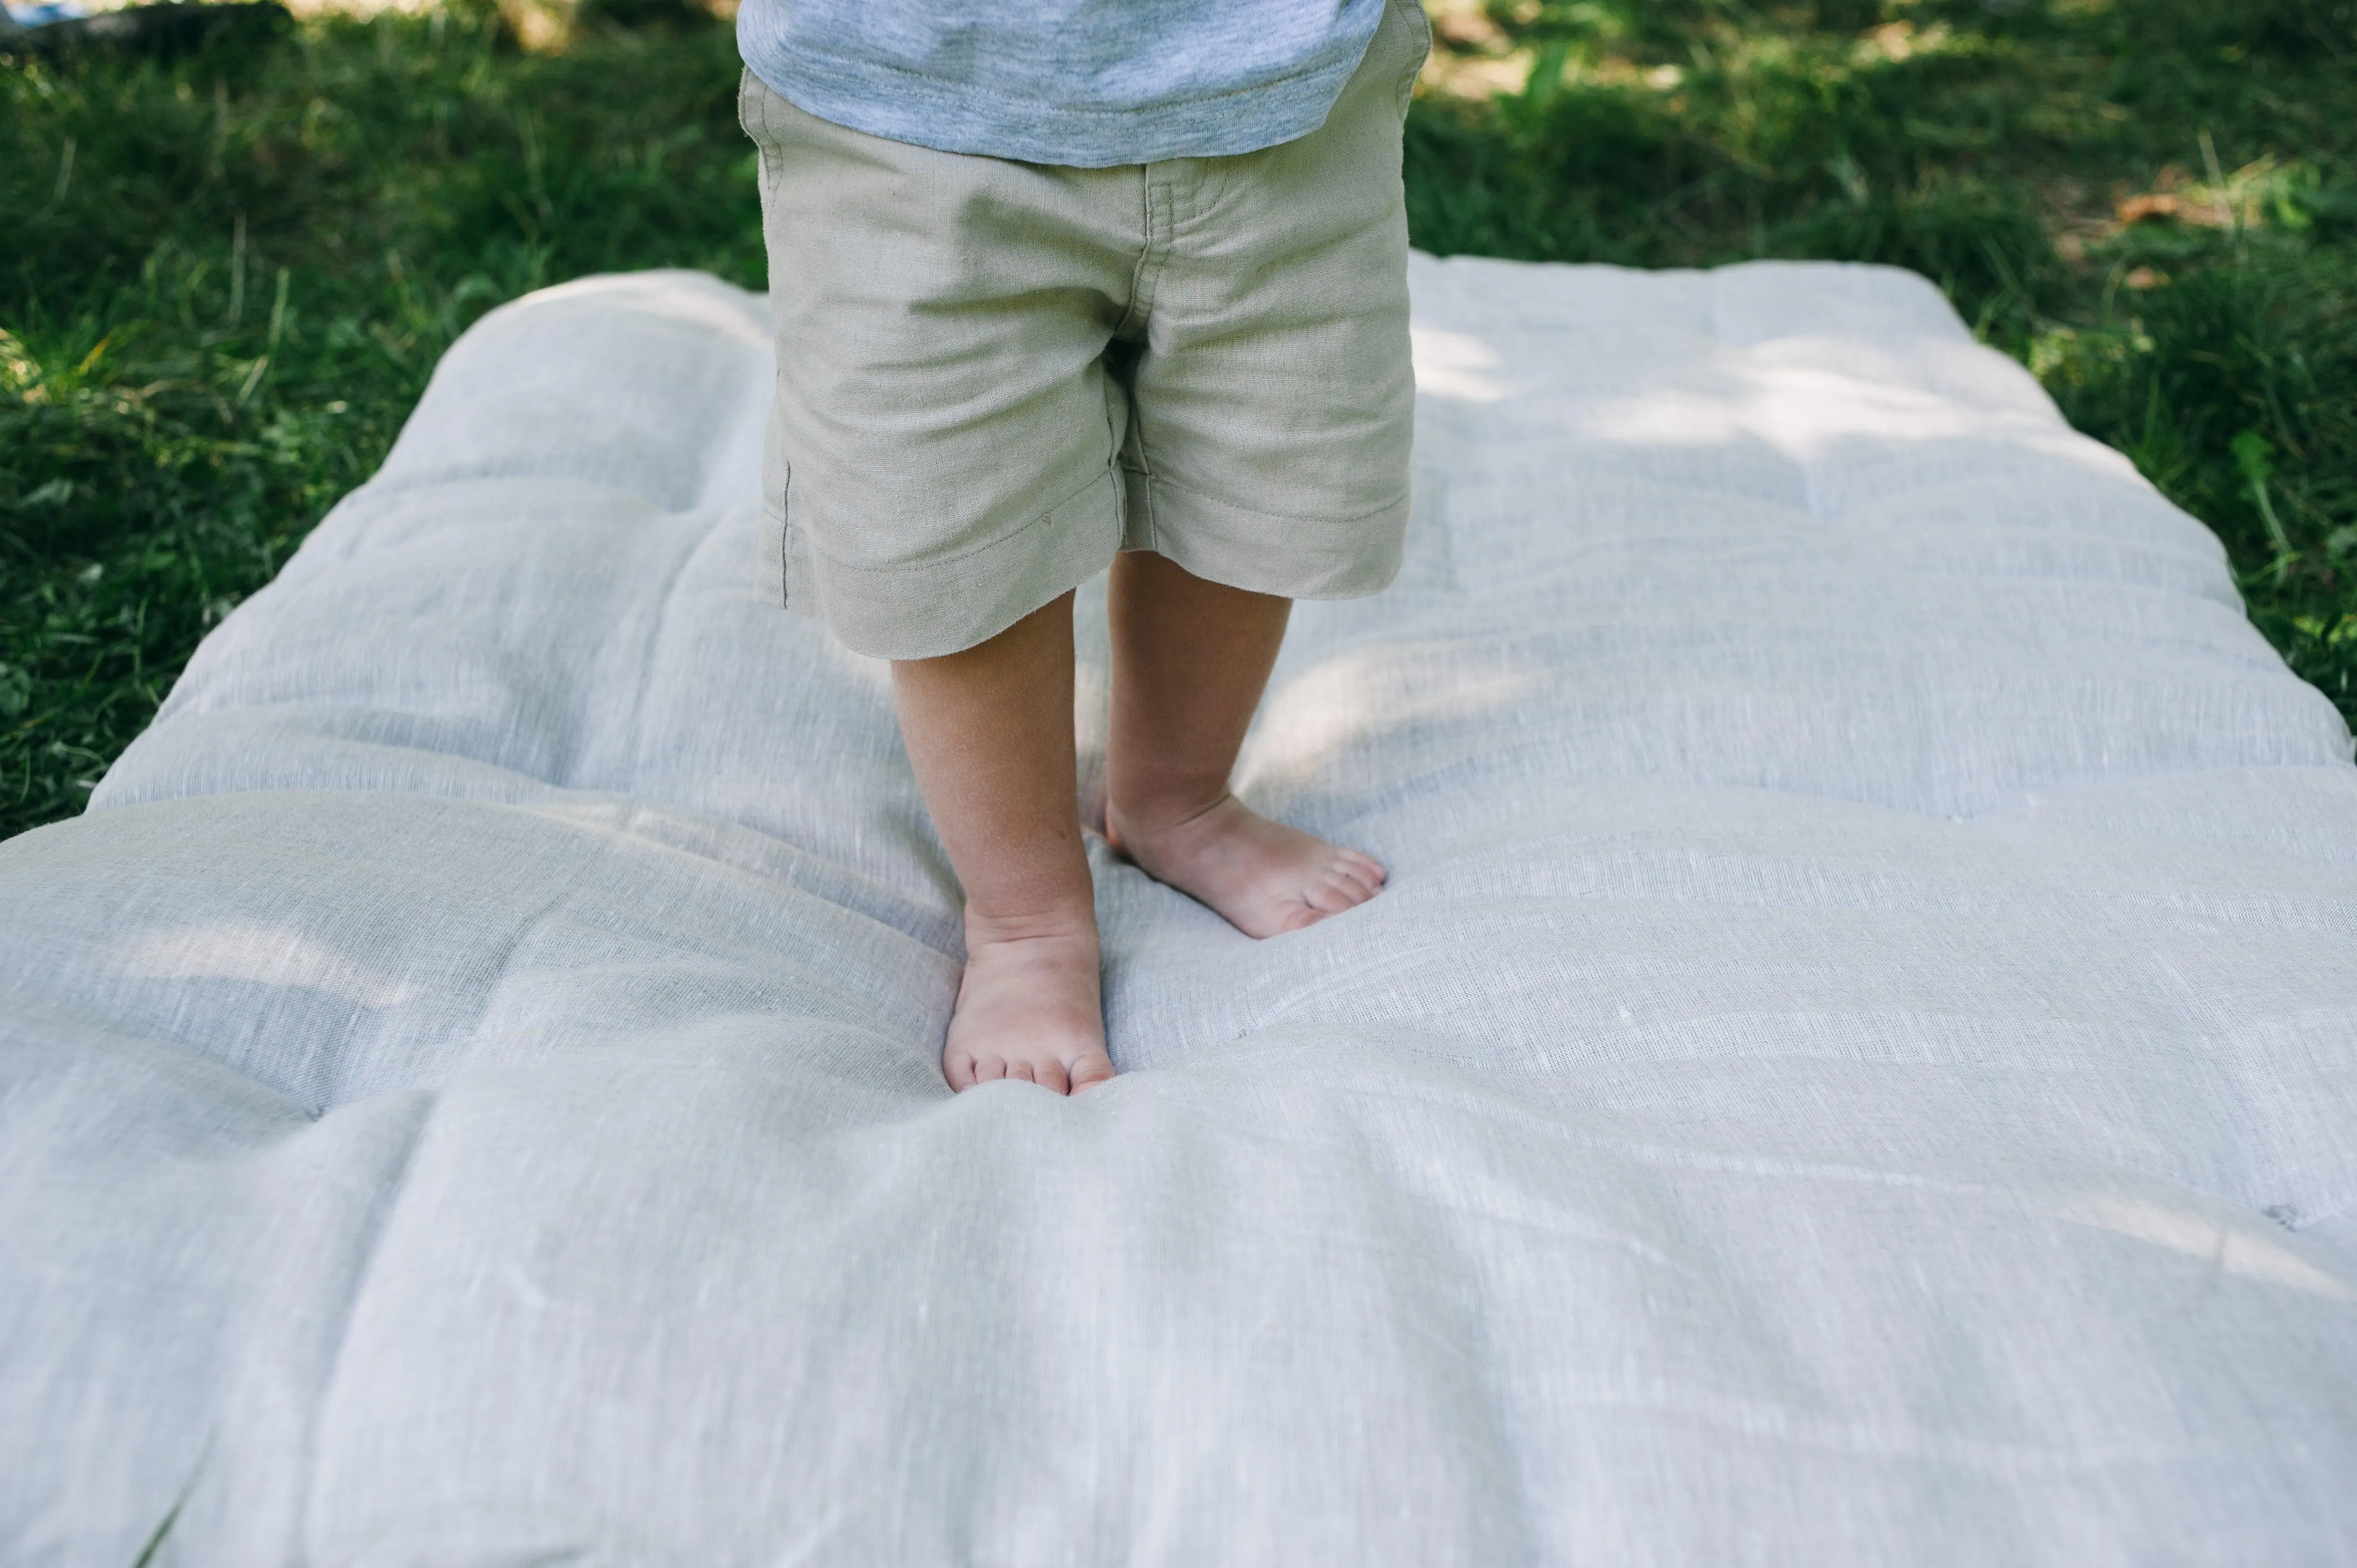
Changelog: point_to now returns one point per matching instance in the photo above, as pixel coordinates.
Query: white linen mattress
(1856, 1063)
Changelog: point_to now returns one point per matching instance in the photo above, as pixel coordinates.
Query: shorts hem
(927, 608)
(1291, 557)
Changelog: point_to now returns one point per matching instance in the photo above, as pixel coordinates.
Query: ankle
(1133, 815)
(1068, 923)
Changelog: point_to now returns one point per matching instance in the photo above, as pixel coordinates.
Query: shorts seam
(1153, 252)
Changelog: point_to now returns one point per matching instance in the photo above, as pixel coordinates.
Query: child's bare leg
(990, 733)
(1190, 659)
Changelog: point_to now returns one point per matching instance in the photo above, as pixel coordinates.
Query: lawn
(225, 275)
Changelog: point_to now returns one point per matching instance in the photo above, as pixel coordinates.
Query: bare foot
(1265, 877)
(1028, 1007)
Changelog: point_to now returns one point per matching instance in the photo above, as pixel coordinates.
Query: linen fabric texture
(1855, 1064)
(1089, 83)
(992, 375)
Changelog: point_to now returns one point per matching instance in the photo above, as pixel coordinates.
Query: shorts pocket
(1418, 54)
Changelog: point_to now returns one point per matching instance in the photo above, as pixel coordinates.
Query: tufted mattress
(1856, 1064)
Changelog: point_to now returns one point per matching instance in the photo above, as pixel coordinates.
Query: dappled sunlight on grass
(227, 278)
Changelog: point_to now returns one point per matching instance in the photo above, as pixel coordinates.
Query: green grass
(227, 277)
(227, 280)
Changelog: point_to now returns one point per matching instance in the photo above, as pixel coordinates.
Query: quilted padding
(1856, 1063)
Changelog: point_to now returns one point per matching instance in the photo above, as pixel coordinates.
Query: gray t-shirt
(1089, 83)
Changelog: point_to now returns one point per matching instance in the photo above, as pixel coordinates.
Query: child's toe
(1334, 895)
(1293, 917)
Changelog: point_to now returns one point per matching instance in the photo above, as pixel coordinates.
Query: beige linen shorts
(994, 375)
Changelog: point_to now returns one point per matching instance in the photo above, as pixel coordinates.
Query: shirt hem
(903, 106)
